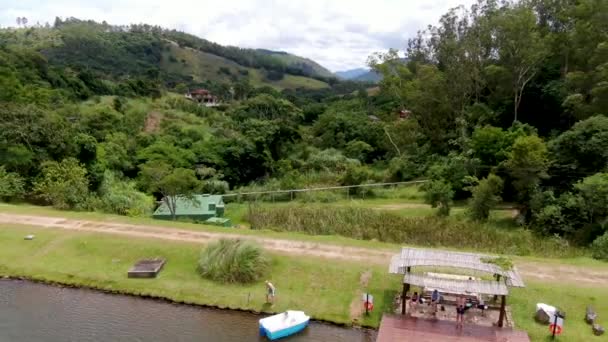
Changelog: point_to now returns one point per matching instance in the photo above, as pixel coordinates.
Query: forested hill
(502, 101)
(116, 53)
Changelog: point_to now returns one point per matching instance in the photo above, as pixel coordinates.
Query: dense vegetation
(233, 261)
(369, 224)
(507, 102)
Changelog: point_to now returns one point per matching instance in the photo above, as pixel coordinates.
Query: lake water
(34, 312)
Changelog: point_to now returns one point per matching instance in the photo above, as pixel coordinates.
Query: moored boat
(283, 324)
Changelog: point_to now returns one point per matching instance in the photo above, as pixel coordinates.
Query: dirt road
(529, 270)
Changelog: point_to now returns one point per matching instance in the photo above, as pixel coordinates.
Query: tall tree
(521, 49)
(172, 184)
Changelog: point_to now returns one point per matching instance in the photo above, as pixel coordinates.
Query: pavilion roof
(419, 257)
(458, 286)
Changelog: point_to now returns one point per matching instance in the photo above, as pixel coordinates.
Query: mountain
(305, 64)
(369, 76)
(351, 74)
(359, 74)
(114, 54)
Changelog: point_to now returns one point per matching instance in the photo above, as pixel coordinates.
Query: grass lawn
(323, 289)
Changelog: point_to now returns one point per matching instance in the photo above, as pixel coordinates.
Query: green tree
(357, 149)
(172, 183)
(439, 194)
(583, 149)
(520, 47)
(63, 184)
(11, 185)
(527, 164)
(486, 195)
(594, 193)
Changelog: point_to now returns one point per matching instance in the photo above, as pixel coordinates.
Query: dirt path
(528, 269)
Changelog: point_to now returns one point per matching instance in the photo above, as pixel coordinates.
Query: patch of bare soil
(152, 123)
(529, 270)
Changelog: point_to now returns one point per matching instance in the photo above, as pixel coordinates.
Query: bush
(439, 194)
(599, 247)
(215, 186)
(63, 185)
(11, 185)
(486, 195)
(330, 160)
(233, 261)
(122, 198)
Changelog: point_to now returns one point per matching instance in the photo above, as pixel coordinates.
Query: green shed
(199, 208)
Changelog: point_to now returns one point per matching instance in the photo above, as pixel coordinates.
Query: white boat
(283, 324)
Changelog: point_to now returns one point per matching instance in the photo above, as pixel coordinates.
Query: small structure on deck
(199, 208)
(203, 97)
(146, 268)
(472, 288)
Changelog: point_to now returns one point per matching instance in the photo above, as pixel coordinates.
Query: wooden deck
(397, 328)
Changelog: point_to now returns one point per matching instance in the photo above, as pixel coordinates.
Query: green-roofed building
(200, 208)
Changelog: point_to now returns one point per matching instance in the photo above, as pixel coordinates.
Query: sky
(338, 34)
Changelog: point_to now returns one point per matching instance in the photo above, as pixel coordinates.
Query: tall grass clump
(233, 261)
(368, 224)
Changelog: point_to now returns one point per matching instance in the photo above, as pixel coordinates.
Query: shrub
(233, 261)
(11, 185)
(439, 194)
(599, 247)
(122, 198)
(486, 195)
(215, 186)
(63, 184)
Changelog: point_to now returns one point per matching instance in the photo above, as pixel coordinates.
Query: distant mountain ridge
(351, 74)
(359, 74)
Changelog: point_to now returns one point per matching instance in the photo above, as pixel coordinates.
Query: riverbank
(95, 316)
(329, 288)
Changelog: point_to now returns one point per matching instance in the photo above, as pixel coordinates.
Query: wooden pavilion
(409, 258)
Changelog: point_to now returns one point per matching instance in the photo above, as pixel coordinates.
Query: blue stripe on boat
(283, 333)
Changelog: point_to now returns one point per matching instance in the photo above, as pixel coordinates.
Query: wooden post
(501, 318)
(406, 288)
(497, 279)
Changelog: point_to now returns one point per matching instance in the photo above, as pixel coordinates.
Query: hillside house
(203, 97)
(202, 208)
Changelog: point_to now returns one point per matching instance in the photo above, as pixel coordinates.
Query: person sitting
(434, 301)
(414, 301)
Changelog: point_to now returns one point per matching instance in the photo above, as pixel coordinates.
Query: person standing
(270, 292)
(434, 301)
(460, 302)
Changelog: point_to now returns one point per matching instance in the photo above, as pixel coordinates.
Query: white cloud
(339, 34)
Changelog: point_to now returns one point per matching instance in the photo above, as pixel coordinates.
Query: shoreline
(152, 297)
